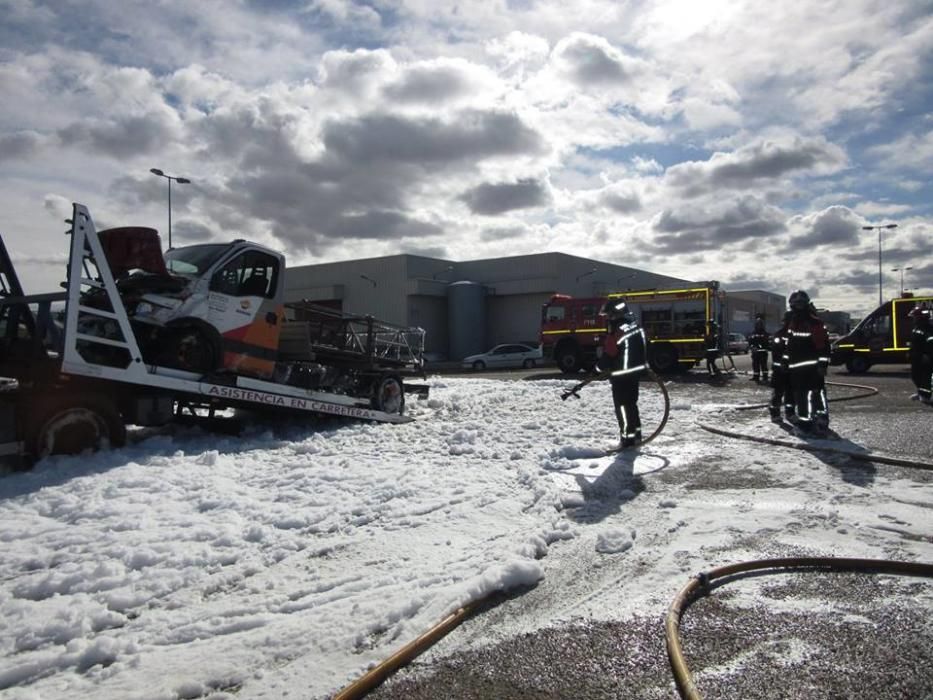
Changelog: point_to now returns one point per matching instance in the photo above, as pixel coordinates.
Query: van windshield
(193, 260)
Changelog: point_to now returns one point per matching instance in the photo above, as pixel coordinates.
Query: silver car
(506, 355)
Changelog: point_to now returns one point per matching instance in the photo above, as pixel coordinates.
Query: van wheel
(857, 365)
(389, 395)
(191, 350)
(74, 425)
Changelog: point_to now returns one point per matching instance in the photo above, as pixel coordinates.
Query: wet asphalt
(871, 639)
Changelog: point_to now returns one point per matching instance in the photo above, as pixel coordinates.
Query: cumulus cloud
(836, 225)
(716, 224)
(122, 137)
(759, 163)
(490, 199)
(21, 144)
(592, 61)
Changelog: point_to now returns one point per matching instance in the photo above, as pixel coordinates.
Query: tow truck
(149, 339)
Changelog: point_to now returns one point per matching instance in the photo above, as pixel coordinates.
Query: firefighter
(624, 358)
(921, 353)
(782, 396)
(806, 357)
(759, 342)
(712, 348)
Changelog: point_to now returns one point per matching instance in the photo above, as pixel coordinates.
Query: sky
(287, 562)
(742, 141)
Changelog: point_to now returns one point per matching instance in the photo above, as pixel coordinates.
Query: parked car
(506, 355)
(737, 343)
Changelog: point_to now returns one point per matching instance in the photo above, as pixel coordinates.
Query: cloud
(491, 199)
(21, 144)
(756, 165)
(470, 136)
(123, 137)
(716, 224)
(591, 60)
(836, 225)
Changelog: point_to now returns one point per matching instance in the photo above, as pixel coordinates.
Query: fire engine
(675, 323)
(881, 337)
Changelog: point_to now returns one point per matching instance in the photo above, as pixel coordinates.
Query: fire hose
(858, 456)
(573, 391)
(700, 585)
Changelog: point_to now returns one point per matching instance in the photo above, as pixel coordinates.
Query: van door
(244, 306)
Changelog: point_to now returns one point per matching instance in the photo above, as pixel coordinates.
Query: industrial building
(467, 307)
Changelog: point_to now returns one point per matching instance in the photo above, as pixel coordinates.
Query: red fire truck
(675, 323)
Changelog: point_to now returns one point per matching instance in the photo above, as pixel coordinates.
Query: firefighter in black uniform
(921, 353)
(712, 348)
(624, 357)
(806, 358)
(759, 342)
(782, 396)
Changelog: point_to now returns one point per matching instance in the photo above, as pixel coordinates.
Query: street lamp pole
(901, 270)
(170, 178)
(878, 229)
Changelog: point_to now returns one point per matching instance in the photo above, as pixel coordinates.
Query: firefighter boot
(775, 414)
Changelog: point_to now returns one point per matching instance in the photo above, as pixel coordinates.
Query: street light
(170, 178)
(901, 270)
(878, 229)
(369, 279)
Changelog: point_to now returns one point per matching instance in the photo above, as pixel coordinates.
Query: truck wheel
(663, 358)
(71, 426)
(857, 365)
(568, 359)
(389, 395)
(191, 350)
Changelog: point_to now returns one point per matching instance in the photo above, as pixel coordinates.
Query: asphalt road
(874, 633)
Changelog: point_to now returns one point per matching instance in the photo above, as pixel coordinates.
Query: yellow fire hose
(699, 584)
(403, 656)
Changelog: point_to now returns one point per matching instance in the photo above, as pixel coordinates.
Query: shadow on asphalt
(853, 471)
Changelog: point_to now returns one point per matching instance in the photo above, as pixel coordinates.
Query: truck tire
(663, 358)
(569, 358)
(857, 365)
(389, 394)
(72, 425)
(190, 349)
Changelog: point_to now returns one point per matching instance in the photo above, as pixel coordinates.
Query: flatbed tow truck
(148, 340)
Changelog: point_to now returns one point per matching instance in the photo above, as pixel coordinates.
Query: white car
(737, 343)
(507, 355)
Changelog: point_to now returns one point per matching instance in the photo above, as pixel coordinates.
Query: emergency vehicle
(882, 337)
(675, 322)
(146, 339)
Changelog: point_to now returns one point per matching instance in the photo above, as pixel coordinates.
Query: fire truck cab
(882, 337)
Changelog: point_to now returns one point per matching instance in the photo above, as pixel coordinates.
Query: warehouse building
(467, 307)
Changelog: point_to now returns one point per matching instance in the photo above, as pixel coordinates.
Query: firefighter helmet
(618, 309)
(799, 300)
